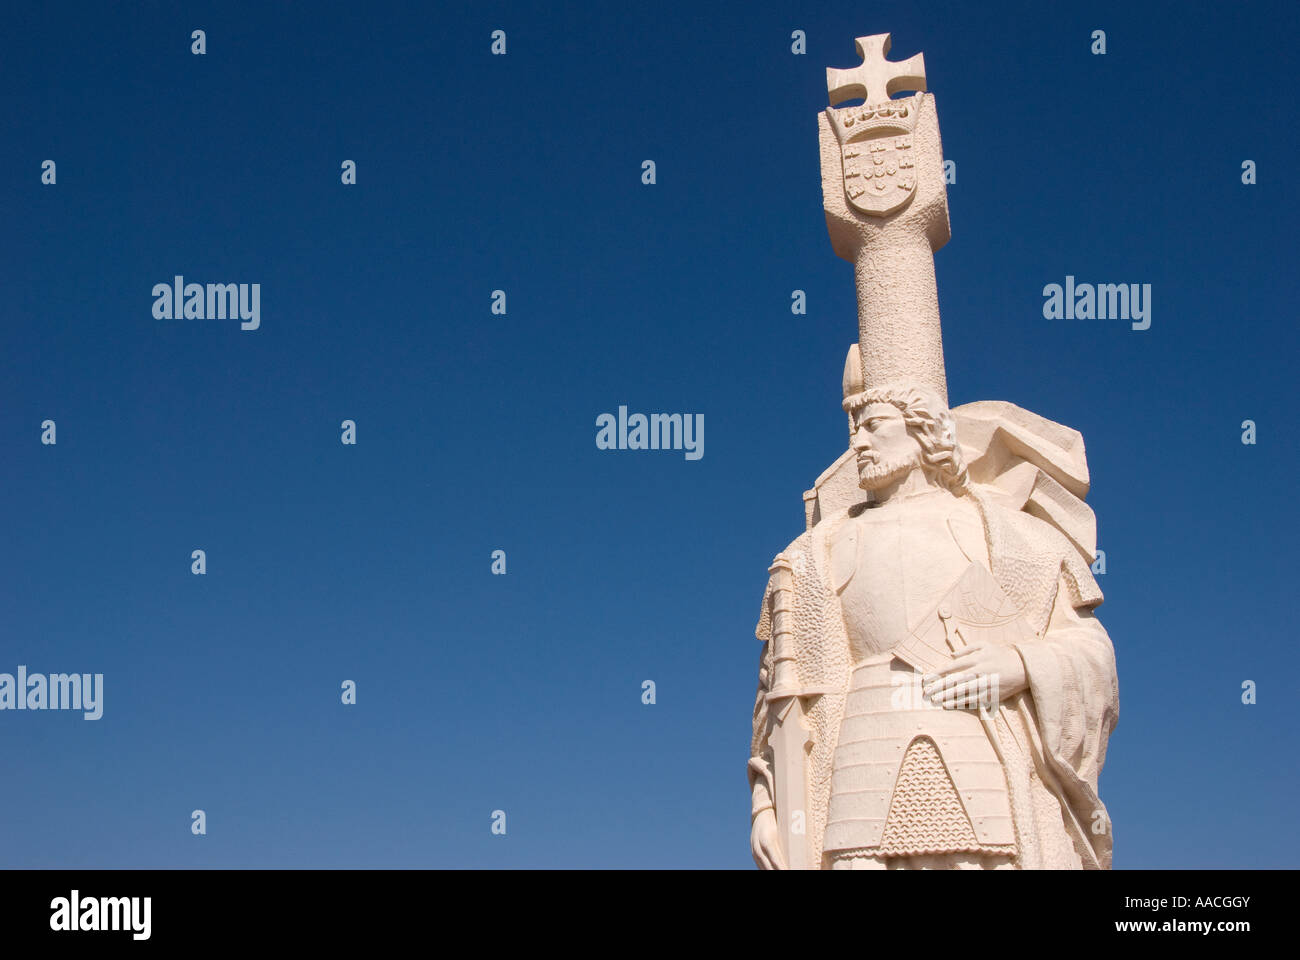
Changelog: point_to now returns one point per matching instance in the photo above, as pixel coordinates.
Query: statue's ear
(843, 555)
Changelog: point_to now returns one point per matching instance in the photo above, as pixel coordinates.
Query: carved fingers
(765, 842)
(979, 675)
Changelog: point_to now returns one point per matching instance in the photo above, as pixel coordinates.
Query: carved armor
(913, 781)
(908, 778)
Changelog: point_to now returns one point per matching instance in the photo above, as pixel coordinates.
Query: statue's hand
(765, 842)
(977, 674)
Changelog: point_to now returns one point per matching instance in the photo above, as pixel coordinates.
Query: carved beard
(883, 473)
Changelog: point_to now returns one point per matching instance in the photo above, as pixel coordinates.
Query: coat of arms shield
(879, 177)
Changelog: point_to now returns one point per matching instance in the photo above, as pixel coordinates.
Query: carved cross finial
(877, 78)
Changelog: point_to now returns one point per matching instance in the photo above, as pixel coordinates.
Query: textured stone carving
(876, 138)
(934, 688)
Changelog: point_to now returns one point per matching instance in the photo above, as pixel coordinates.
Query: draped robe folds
(1064, 719)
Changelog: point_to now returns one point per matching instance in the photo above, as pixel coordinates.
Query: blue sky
(476, 432)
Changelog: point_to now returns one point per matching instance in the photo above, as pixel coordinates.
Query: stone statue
(934, 689)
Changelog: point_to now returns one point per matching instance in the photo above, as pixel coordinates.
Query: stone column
(887, 212)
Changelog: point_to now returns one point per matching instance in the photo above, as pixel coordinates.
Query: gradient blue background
(476, 432)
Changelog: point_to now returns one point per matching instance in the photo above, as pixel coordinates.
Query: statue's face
(886, 450)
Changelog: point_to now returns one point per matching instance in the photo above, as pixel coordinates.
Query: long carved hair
(928, 420)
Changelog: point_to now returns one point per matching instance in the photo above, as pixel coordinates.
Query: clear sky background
(477, 432)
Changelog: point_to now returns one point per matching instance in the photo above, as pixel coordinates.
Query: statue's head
(900, 428)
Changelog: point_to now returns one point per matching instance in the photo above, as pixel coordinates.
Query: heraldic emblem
(876, 136)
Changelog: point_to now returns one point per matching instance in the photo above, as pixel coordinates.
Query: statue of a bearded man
(934, 689)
